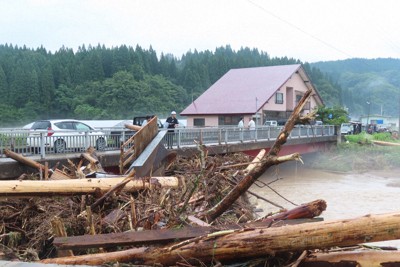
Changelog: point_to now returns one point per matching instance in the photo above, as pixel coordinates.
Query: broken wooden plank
(158, 237)
(17, 188)
(141, 139)
(59, 231)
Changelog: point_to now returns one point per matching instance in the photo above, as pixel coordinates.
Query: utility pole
(256, 112)
(398, 128)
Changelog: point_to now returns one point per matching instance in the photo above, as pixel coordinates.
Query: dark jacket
(171, 123)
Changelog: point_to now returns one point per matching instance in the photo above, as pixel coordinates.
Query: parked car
(62, 135)
(271, 123)
(346, 128)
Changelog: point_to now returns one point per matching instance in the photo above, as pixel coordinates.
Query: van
(271, 123)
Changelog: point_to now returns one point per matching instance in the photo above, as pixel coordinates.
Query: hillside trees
(118, 82)
(376, 81)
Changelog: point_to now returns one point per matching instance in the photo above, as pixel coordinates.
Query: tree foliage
(332, 115)
(370, 86)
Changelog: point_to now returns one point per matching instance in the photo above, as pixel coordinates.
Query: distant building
(264, 93)
(380, 121)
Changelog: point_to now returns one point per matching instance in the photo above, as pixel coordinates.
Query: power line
(299, 29)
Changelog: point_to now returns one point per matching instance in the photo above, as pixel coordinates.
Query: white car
(63, 135)
(346, 128)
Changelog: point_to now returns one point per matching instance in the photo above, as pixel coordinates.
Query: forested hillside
(119, 82)
(368, 85)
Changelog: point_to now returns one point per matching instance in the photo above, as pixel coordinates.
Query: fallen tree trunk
(353, 258)
(20, 188)
(270, 159)
(259, 242)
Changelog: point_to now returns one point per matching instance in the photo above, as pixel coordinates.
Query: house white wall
(210, 120)
(294, 86)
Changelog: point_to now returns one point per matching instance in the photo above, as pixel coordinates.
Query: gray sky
(309, 30)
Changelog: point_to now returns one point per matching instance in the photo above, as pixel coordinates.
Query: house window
(298, 98)
(228, 120)
(279, 98)
(200, 122)
(307, 106)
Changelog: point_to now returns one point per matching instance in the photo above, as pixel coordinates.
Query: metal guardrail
(28, 142)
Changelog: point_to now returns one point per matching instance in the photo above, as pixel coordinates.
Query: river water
(348, 195)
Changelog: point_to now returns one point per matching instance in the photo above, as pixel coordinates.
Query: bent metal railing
(42, 143)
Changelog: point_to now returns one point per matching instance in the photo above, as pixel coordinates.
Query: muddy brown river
(348, 195)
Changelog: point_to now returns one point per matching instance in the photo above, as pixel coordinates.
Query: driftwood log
(20, 188)
(308, 210)
(24, 160)
(270, 159)
(383, 143)
(256, 242)
(133, 127)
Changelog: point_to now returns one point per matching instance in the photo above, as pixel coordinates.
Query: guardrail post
(87, 141)
(179, 139)
(42, 150)
(219, 136)
(123, 139)
(226, 136)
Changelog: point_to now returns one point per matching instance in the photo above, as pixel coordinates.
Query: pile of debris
(197, 214)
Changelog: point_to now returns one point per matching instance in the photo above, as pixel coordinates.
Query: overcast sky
(309, 30)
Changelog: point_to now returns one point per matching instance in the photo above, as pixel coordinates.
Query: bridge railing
(221, 135)
(42, 142)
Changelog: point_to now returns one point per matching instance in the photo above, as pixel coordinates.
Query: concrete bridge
(185, 141)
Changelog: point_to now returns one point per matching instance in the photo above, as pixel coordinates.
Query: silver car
(63, 135)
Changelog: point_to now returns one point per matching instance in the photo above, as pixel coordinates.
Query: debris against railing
(205, 220)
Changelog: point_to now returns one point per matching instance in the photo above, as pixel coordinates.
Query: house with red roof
(264, 93)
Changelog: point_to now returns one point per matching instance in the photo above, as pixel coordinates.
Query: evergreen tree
(3, 87)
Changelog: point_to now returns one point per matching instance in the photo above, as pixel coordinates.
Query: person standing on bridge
(172, 123)
(241, 126)
(252, 128)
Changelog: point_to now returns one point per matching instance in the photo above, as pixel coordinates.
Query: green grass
(359, 157)
(365, 138)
